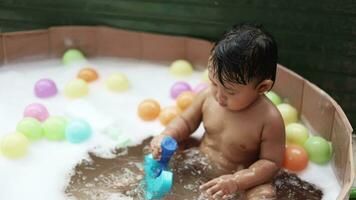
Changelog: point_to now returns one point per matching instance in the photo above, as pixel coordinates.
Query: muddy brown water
(121, 177)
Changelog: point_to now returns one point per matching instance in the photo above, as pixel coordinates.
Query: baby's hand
(156, 146)
(221, 187)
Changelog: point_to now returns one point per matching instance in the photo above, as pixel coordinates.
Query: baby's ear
(264, 86)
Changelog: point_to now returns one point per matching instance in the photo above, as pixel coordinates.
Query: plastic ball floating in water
(37, 111)
(319, 149)
(117, 82)
(181, 68)
(178, 88)
(76, 88)
(78, 131)
(14, 145)
(288, 112)
(149, 109)
(168, 114)
(185, 99)
(200, 87)
(276, 100)
(88, 74)
(72, 55)
(45, 88)
(31, 128)
(54, 128)
(295, 159)
(296, 134)
(205, 76)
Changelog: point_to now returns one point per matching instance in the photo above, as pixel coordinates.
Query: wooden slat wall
(317, 39)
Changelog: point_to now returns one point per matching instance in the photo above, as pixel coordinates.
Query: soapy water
(121, 177)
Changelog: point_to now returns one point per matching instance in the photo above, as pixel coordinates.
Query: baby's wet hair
(244, 54)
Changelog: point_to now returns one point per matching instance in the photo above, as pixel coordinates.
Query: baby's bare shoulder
(272, 116)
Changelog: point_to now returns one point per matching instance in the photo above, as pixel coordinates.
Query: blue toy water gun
(158, 176)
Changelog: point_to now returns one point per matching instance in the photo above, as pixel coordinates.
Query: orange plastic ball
(88, 74)
(295, 158)
(148, 109)
(168, 114)
(185, 99)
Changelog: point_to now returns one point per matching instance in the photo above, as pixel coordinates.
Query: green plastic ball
(76, 88)
(296, 134)
(181, 68)
(319, 149)
(117, 82)
(72, 55)
(54, 128)
(31, 128)
(288, 112)
(276, 100)
(14, 145)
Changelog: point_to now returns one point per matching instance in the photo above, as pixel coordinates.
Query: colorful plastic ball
(45, 88)
(149, 109)
(181, 68)
(72, 55)
(185, 99)
(276, 100)
(31, 128)
(14, 145)
(117, 82)
(78, 131)
(296, 134)
(178, 88)
(205, 76)
(319, 149)
(168, 114)
(88, 74)
(76, 88)
(295, 158)
(288, 112)
(37, 111)
(54, 128)
(200, 87)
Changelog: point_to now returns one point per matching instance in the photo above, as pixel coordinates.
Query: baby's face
(233, 96)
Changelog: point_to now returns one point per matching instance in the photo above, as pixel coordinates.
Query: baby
(244, 131)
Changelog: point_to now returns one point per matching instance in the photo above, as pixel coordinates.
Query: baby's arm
(184, 125)
(262, 171)
(271, 157)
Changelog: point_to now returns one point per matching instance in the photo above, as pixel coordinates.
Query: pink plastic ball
(200, 87)
(37, 111)
(178, 88)
(45, 88)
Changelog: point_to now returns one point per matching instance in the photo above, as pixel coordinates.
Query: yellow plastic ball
(288, 112)
(185, 99)
(181, 68)
(14, 145)
(117, 82)
(205, 76)
(76, 88)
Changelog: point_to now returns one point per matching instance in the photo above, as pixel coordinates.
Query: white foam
(45, 171)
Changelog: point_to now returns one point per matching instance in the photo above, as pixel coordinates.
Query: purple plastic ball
(178, 88)
(45, 88)
(37, 111)
(200, 87)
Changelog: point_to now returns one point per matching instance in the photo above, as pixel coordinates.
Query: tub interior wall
(317, 109)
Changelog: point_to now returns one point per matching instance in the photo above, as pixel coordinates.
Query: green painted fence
(317, 39)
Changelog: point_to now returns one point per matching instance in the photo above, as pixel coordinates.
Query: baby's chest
(233, 131)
